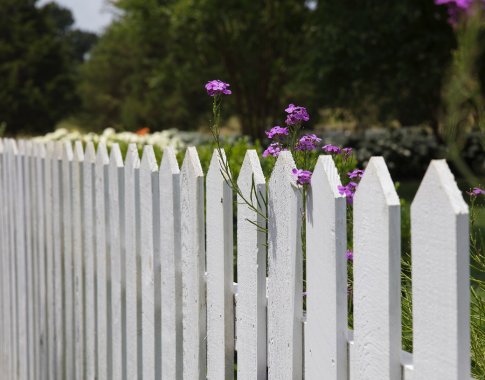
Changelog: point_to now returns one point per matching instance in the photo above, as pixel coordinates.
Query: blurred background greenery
(375, 75)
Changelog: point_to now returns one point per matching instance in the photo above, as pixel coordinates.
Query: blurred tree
(37, 65)
(383, 59)
(170, 49)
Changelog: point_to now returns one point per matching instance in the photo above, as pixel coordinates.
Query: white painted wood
(101, 249)
(116, 173)
(251, 271)
(326, 275)
(40, 254)
(24, 358)
(10, 180)
(220, 252)
(440, 273)
(3, 250)
(148, 167)
(60, 364)
(193, 267)
(132, 352)
(50, 274)
(377, 255)
(26, 159)
(171, 294)
(285, 287)
(77, 243)
(67, 258)
(89, 261)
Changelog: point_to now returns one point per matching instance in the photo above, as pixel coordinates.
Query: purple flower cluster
(217, 87)
(329, 148)
(277, 131)
(349, 191)
(349, 254)
(303, 177)
(273, 150)
(296, 115)
(308, 142)
(476, 191)
(456, 8)
(357, 173)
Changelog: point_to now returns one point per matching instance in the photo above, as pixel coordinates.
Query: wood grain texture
(101, 231)
(285, 277)
(377, 260)
(171, 276)
(251, 271)
(193, 267)
(326, 276)
(78, 259)
(89, 261)
(132, 353)
(148, 167)
(220, 252)
(115, 188)
(440, 273)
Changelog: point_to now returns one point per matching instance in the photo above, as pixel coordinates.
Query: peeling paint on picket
(103, 271)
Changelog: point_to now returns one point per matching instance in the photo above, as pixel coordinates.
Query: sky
(90, 15)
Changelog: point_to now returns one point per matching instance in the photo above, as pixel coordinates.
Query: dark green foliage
(37, 66)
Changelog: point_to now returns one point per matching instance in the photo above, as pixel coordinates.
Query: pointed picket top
(58, 149)
(148, 159)
(21, 146)
(102, 157)
(251, 168)
(132, 159)
(67, 152)
(377, 177)
(40, 150)
(13, 147)
(28, 148)
(90, 153)
(377, 258)
(215, 171)
(78, 152)
(326, 276)
(282, 170)
(50, 148)
(439, 180)
(115, 159)
(441, 277)
(169, 161)
(191, 163)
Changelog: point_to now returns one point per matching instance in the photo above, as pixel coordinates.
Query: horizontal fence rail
(115, 268)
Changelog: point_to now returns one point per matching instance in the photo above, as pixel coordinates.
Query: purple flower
(357, 173)
(308, 142)
(302, 176)
(348, 191)
(217, 87)
(273, 150)
(332, 149)
(349, 254)
(476, 191)
(296, 114)
(277, 131)
(347, 152)
(462, 4)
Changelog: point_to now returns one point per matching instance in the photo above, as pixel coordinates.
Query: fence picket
(101, 247)
(326, 276)
(377, 262)
(116, 180)
(50, 274)
(193, 267)
(132, 353)
(67, 258)
(251, 271)
(5, 308)
(440, 273)
(148, 167)
(77, 244)
(171, 291)
(89, 261)
(285, 277)
(220, 299)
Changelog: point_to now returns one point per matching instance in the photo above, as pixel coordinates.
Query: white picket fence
(112, 270)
